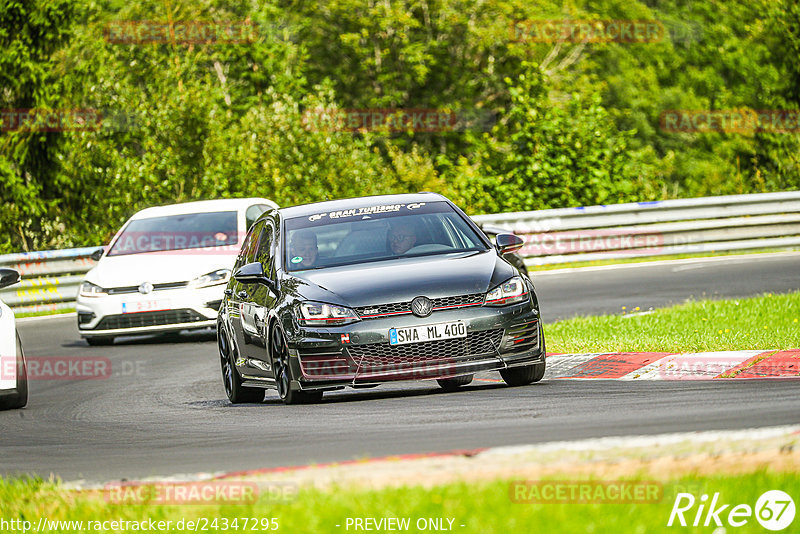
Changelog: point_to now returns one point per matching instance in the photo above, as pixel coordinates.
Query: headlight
(89, 289)
(319, 313)
(511, 291)
(220, 276)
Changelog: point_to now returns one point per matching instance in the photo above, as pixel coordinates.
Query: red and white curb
(675, 366)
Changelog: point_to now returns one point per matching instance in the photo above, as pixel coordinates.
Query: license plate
(428, 332)
(145, 306)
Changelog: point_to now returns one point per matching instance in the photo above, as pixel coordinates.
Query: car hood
(403, 279)
(157, 268)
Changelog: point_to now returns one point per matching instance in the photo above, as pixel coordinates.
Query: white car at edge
(13, 372)
(165, 270)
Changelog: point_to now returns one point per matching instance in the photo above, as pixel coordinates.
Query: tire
(20, 398)
(522, 376)
(527, 374)
(236, 392)
(452, 384)
(279, 350)
(98, 341)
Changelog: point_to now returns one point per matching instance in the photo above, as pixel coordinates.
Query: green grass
(484, 507)
(765, 322)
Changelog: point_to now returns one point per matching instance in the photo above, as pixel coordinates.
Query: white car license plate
(429, 332)
(145, 306)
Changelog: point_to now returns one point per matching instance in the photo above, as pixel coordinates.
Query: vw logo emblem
(422, 306)
(145, 288)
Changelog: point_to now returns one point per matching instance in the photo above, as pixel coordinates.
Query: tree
(31, 32)
(547, 156)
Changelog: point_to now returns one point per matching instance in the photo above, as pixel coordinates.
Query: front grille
(399, 308)
(460, 300)
(383, 354)
(157, 318)
(319, 352)
(367, 312)
(522, 337)
(156, 287)
(85, 317)
(323, 362)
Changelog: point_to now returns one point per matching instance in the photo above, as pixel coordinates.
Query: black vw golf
(364, 291)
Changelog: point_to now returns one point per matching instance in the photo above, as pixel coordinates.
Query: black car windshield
(375, 233)
(177, 232)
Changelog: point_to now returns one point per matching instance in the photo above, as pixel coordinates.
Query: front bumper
(167, 311)
(360, 354)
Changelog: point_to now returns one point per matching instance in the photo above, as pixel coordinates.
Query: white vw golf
(165, 270)
(13, 375)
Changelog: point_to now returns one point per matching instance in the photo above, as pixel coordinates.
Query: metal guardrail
(50, 279)
(641, 229)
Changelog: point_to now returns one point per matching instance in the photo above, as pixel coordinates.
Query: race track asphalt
(163, 410)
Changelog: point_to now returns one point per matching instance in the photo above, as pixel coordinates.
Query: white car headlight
(89, 289)
(220, 276)
(319, 313)
(512, 291)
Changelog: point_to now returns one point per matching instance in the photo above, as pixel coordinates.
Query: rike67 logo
(774, 510)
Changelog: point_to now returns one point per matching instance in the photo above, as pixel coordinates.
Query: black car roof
(305, 210)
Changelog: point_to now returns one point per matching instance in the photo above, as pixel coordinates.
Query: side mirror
(253, 273)
(506, 243)
(8, 277)
(97, 254)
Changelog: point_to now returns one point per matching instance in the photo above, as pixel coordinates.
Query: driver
(402, 236)
(304, 249)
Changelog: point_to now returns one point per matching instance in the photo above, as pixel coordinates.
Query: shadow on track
(199, 336)
(352, 396)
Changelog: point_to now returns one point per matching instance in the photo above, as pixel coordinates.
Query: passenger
(304, 250)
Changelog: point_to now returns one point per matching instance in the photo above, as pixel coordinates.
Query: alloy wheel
(280, 362)
(225, 362)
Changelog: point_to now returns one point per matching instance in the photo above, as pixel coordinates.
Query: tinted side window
(248, 251)
(265, 247)
(253, 213)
